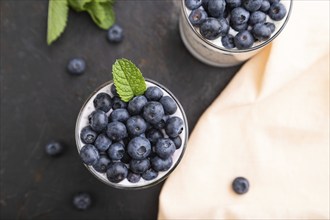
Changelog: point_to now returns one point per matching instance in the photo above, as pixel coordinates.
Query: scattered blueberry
(216, 8)
(160, 164)
(174, 126)
(257, 17)
(98, 120)
(54, 148)
(169, 105)
(277, 11)
(240, 185)
(265, 5)
(244, 40)
(120, 114)
(103, 102)
(133, 177)
(102, 164)
(210, 28)
(153, 93)
(76, 66)
(115, 34)
(116, 131)
(102, 142)
(150, 174)
(193, 4)
(136, 125)
(228, 41)
(239, 16)
(165, 148)
(82, 201)
(139, 166)
(139, 148)
(177, 142)
(153, 112)
(118, 103)
(136, 105)
(252, 5)
(117, 172)
(89, 154)
(87, 135)
(116, 151)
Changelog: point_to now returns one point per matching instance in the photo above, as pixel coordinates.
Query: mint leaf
(101, 12)
(79, 5)
(128, 79)
(57, 18)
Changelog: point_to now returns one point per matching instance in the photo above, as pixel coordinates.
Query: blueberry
(169, 105)
(177, 142)
(102, 142)
(197, 17)
(174, 127)
(115, 34)
(210, 28)
(216, 8)
(139, 148)
(76, 66)
(252, 5)
(150, 174)
(87, 135)
(162, 123)
(153, 135)
(102, 164)
(224, 26)
(228, 41)
(205, 4)
(113, 90)
(116, 151)
(98, 120)
(271, 26)
(133, 177)
(277, 11)
(274, 1)
(233, 3)
(136, 125)
(153, 93)
(139, 166)
(116, 131)
(239, 16)
(82, 201)
(153, 112)
(165, 148)
(257, 17)
(120, 114)
(239, 27)
(244, 40)
(193, 4)
(118, 103)
(54, 148)
(136, 105)
(126, 158)
(265, 5)
(89, 154)
(261, 32)
(103, 102)
(240, 185)
(160, 164)
(117, 172)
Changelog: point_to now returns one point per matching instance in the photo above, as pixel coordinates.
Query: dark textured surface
(40, 102)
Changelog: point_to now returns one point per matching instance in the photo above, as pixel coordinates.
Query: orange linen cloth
(271, 126)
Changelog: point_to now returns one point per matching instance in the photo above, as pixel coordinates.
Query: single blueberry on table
(139, 148)
(177, 142)
(197, 17)
(76, 66)
(89, 154)
(153, 93)
(261, 32)
(120, 114)
(139, 166)
(82, 201)
(153, 135)
(174, 126)
(113, 90)
(165, 148)
(160, 164)
(133, 177)
(103, 102)
(244, 40)
(265, 5)
(116, 151)
(102, 164)
(54, 148)
(252, 5)
(136, 125)
(136, 105)
(239, 16)
(228, 41)
(87, 135)
(193, 4)
(233, 3)
(102, 142)
(153, 112)
(115, 34)
(116, 131)
(117, 172)
(216, 8)
(277, 11)
(257, 17)
(169, 105)
(240, 185)
(98, 120)
(118, 103)
(210, 28)
(150, 174)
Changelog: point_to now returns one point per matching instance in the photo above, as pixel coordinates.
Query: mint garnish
(128, 79)
(57, 18)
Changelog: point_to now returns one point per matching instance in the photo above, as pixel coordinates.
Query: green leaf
(57, 18)
(79, 5)
(128, 79)
(101, 12)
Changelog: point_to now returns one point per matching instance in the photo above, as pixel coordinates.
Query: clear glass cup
(82, 121)
(212, 52)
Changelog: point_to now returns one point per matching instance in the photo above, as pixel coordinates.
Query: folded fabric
(271, 126)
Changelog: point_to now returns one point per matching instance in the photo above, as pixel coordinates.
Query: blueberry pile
(239, 23)
(134, 139)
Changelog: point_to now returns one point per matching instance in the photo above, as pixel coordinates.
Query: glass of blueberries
(135, 144)
(228, 32)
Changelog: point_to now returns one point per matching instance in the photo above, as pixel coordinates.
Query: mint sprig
(101, 11)
(128, 79)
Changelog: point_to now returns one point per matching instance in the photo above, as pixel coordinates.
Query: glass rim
(152, 182)
(236, 51)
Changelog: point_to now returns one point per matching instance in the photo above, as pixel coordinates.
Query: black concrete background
(40, 102)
